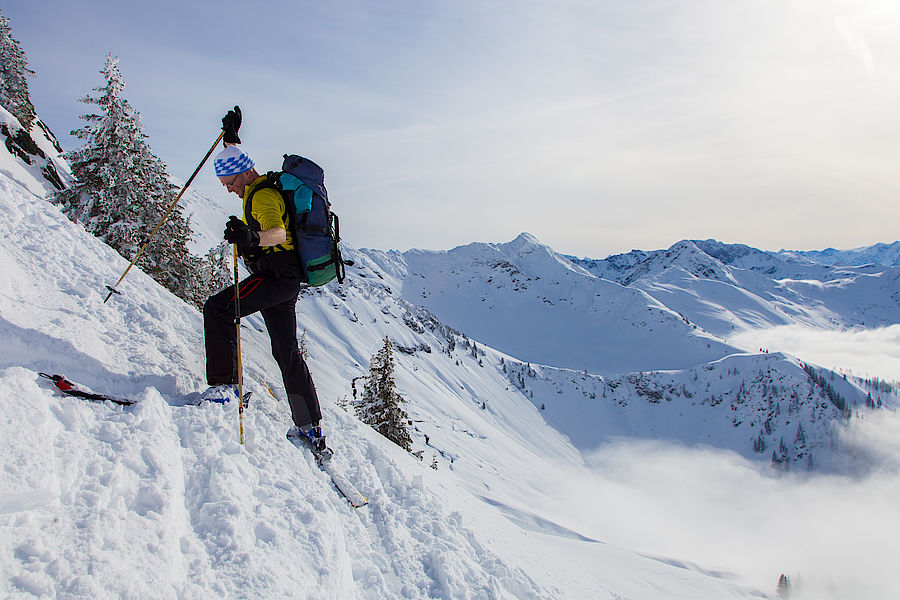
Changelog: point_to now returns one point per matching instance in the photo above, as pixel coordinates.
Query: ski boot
(315, 439)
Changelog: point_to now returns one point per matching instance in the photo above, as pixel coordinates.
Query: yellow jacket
(267, 210)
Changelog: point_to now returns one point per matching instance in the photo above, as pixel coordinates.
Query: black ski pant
(276, 298)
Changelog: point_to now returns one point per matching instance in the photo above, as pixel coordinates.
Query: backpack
(314, 228)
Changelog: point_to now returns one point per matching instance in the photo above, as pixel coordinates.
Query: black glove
(231, 122)
(237, 232)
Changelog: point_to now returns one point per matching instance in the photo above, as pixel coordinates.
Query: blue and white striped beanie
(232, 161)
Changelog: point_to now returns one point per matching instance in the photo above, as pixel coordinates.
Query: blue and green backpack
(314, 228)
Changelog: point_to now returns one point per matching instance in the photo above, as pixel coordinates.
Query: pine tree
(122, 190)
(215, 272)
(14, 72)
(784, 586)
(380, 405)
(759, 445)
(800, 448)
(304, 346)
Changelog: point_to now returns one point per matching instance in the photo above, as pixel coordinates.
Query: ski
(341, 483)
(70, 389)
(347, 489)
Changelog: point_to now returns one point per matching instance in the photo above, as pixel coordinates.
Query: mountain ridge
(766, 289)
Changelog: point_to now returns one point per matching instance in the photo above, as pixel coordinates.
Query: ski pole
(112, 289)
(237, 323)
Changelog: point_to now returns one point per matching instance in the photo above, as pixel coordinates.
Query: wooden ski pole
(112, 289)
(237, 323)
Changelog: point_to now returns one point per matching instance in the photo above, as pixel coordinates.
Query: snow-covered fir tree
(122, 189)
(380, 405)
(304, 346)
(215, 272)
(14, 73)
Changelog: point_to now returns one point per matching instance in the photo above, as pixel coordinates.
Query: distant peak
(525, 243)
(684, 247)
(526, 238)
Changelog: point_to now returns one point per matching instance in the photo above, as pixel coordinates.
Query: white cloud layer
(864, 352)
(835, 536)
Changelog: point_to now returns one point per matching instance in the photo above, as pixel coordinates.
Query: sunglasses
(233, 179)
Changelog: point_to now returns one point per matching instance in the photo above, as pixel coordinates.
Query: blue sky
(597, 126)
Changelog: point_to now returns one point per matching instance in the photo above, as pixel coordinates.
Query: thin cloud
(856, 44)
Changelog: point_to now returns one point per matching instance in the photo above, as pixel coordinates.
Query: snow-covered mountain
(768, 406)
(527, 300)
(887, 255)
(605, 360)
(725, 288)
(514, 359)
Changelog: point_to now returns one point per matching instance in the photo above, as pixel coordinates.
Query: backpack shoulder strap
(273, 181)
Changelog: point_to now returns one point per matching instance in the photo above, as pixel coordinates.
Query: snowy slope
(160, 501)
(32, 158)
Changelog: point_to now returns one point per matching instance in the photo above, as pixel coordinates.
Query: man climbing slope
(264, 240)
